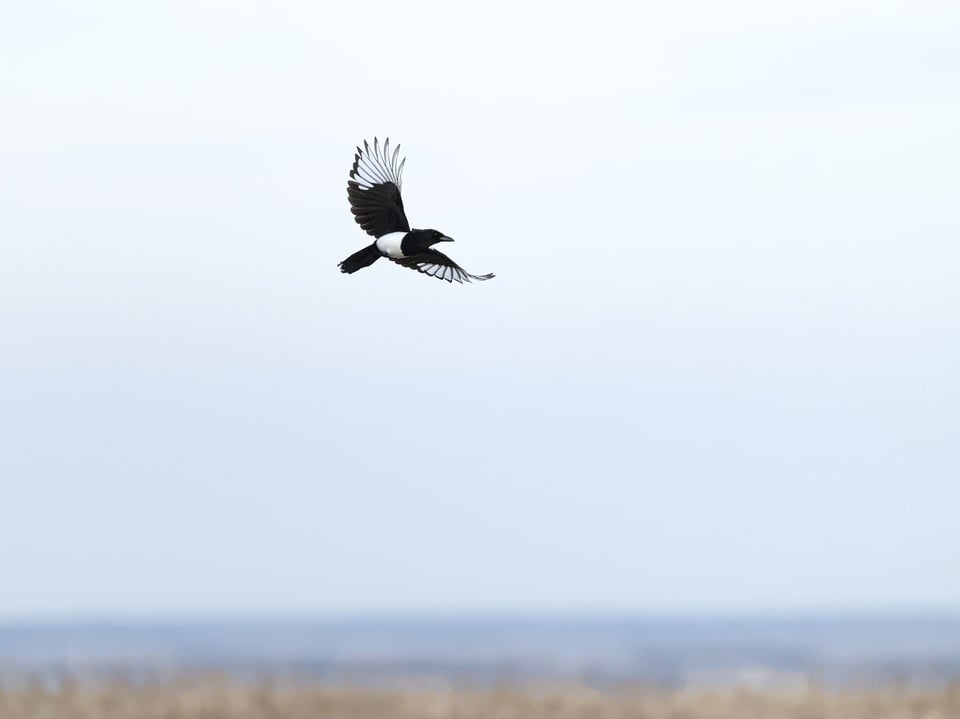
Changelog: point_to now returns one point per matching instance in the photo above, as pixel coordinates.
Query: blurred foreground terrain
(215, 698)
(490, 668)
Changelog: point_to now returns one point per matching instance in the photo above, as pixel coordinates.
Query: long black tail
(359, 260)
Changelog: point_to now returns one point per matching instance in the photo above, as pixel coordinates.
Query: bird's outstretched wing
(437, 264)
(374, 190)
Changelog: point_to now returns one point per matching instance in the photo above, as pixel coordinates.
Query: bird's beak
(445, 239)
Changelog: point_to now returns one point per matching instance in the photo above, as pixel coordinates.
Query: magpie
(374, 194)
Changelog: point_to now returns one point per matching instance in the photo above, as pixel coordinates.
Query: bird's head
(425, 238)
(434, 236)
(420, 240)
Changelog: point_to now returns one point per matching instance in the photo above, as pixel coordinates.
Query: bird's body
(374, 193)
(391, 245)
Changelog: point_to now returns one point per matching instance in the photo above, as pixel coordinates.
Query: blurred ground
(215, 698)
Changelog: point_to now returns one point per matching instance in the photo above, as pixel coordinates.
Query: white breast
(389, 244)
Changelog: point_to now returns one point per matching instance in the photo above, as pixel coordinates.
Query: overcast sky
(718, 369)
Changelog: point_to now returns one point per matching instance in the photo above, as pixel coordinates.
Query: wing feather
(374, 189)
(436, 264)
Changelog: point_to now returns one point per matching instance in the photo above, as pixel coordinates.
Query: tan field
(222, 699)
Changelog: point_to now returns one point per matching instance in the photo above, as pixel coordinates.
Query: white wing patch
(389, 244)
(450, 273)
(442, 271)
(378, 166)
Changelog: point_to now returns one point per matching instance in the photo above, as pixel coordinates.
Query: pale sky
(717, 370)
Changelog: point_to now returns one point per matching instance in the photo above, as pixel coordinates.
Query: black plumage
(376, 203)
(377, 206)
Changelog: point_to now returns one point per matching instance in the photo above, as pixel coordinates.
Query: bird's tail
(359, 260)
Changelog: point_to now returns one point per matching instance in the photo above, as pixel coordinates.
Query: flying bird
(374, 193)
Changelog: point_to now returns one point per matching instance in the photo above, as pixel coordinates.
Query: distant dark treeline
(481, 651)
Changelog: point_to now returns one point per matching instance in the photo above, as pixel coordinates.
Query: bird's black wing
(437, 264)
(374, 190)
